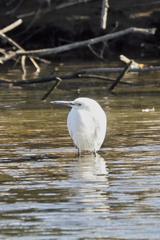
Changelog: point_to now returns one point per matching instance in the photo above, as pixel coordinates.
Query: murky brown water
(46, 192)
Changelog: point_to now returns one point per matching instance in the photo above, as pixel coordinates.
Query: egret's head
(85, 103)
(80, 103)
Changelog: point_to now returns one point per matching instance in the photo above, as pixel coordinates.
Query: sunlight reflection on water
(47, 192)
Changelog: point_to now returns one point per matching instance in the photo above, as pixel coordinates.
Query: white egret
(86, 123)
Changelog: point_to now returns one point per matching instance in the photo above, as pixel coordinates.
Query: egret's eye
(78, 104)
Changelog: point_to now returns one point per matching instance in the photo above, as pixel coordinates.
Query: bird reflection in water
(90, 176)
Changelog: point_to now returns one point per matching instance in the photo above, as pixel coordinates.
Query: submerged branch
(118, 70)
(49, 78)
(120, 76)
(101, 78)
(86, 73)
(57, 82)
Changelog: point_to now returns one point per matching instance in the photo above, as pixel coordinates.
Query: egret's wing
(86, 130)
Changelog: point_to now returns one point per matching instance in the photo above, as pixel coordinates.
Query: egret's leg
(79, 152)
(95, 153)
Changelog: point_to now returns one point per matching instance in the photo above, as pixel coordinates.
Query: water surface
(47, 192)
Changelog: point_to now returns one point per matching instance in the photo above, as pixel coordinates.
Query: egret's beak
(68, 103)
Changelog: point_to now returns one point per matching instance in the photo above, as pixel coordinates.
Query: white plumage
(86, 123)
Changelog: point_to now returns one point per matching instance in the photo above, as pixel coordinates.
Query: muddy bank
(48, 26)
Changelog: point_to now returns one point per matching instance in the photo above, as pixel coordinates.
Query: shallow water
(47, 192)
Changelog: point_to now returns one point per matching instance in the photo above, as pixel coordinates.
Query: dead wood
(11, 26)
(105, 7)
(86, 73)
(49, 78)
(57, 82)
(72, 46)
(101, 78)
(118, 70)
(104, 46)
(120, 76)
(12, 42)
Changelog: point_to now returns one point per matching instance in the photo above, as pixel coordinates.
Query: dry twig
(95, 53)
(11, 26)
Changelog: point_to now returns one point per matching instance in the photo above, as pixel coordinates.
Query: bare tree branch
(71, 46)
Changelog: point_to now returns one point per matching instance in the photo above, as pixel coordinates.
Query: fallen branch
(82, 73)
(118, 70)
(72, 46)
(133, 65)
(120, 76)
(57, 82)
(102, 78)
(49, 78)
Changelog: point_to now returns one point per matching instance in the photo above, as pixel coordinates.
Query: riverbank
(47, 26)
